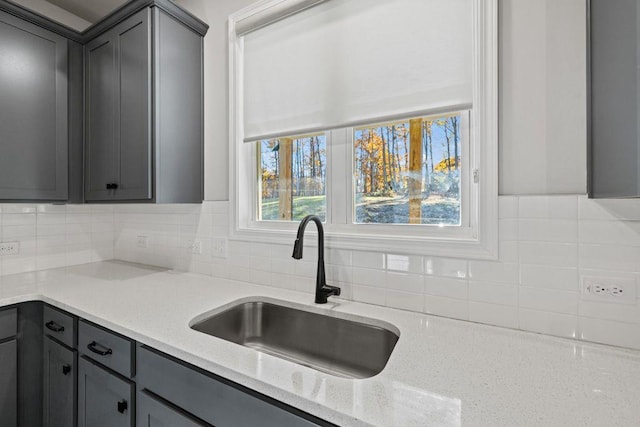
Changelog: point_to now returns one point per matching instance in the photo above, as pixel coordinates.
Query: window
(410, 172)
(387, 131)
(292, 174)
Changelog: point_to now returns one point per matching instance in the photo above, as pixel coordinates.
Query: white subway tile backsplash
(494, 293)
(610, 257)
(508, 207)
(405, 300)
(446, 307)
(552, 207)
(549, 253)
(508, 229)
(447, 287)
(609, 332)
(369, 277)
(406, 282)
(369, 259)
(544, 322)
(610, 232)
(493, 314)
(549, 300)
(544, 276)
(405, 263)
(548, 230)
(610, 311)
(446, 267)
(609, 209)
(546, 244)
(493, 271)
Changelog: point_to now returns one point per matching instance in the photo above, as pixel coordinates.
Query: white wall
(542, 95)
(56, 13)
(216, 134)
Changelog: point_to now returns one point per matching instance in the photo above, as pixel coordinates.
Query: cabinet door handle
(53, 326)
(98, 349)
(66, 369)
(122, 406)
(112, 186)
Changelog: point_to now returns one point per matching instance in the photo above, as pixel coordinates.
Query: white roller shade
(347, 62)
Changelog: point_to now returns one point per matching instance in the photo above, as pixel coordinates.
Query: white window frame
(478, 240)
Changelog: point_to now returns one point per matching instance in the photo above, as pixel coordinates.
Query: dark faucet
(322, 289)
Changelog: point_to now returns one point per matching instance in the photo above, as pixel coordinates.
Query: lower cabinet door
(152, 412)
(104, 399)
(59, 385)
(8, 384)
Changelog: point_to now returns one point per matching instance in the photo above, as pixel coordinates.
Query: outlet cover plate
(219, 249)
(9, 248)
(620, 290)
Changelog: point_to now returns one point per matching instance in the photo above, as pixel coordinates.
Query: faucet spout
(323, 291)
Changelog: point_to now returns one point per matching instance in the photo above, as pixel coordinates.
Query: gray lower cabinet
(154, 412)
(146, 71)
(33, 112)
(8, 384)
(213, 399)
(59, 385)
(104, 398)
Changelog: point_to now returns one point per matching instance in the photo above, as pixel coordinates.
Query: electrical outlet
(219, 249)
(9, 248)
(142, 242)
(609, 289)
(194, 247)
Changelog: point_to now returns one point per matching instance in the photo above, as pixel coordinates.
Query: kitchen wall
(52, 236)
(547, 244)
(548, 241)
(542, 95)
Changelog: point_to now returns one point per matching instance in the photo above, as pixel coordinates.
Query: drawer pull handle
(122, 406)
(66, 369)
(112, 186)
(53, 326)
(98, 349)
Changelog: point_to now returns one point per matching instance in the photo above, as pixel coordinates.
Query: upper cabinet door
(118, 114)
(100, 124)
(134, 107)
(33, 112)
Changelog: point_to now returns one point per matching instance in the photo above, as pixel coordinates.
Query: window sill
(451, 247)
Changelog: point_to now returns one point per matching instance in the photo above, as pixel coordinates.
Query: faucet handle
(325, 292)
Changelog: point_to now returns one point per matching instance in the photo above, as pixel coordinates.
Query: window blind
(349, 62)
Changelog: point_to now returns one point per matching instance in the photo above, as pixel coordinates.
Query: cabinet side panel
(614, 98)
(178, 112)
(30, 372)
(8, 384)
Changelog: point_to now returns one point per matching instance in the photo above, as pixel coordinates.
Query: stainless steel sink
(346, 348)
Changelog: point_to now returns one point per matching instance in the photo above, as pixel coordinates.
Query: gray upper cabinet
(118, 123)
(614, 148)
(33, 112)
(149, 56)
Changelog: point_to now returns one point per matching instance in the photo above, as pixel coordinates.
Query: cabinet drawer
(60, 325)
(105, 347)
(8, 323)
(211, 400)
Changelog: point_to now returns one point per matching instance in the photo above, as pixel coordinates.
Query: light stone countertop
(442, 372)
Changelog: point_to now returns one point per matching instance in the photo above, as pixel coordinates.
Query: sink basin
(337, 346)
